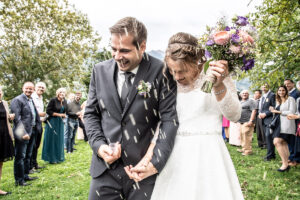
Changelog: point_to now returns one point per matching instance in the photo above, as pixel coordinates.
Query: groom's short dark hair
(130, 25)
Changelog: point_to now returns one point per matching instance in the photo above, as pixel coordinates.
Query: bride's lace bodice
(201, 113)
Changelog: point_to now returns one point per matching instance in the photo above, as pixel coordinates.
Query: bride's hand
(220, 70)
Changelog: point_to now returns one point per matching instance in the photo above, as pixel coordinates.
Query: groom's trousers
(114, 184)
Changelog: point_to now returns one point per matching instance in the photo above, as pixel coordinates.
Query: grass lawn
(71, 179)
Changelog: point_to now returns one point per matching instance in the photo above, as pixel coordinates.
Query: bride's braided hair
(185, 47)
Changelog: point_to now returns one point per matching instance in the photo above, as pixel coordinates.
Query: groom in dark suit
(266, 101)
(128, 96)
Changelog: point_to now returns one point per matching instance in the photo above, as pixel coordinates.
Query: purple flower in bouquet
(235, 38)
(207, 54)
(210, 43)
(227, 28)
(242, 21)
(248, 64)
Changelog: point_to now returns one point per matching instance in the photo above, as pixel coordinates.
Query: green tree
(43, 40)
(100, 56)
(278, 25)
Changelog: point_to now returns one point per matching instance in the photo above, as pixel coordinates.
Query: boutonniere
(267, 100)
(144, 88)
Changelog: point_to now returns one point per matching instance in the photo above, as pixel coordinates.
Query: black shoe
(30, 178)
(22, 184)
(269, 159)
(74, 149)
(7, 193)
(39, 167)
(284, 170)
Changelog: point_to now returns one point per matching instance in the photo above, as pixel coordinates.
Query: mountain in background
(159, 54)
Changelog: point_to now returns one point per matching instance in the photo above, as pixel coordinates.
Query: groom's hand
(108, 155)
(140, 172)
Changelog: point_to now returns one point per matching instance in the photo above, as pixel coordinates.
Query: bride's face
(183, 74)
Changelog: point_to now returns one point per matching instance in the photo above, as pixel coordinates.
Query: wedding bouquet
(235, 44)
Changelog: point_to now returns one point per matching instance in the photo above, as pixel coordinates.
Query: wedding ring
(223, 75)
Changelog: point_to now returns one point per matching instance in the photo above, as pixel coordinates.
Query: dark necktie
(126, 88)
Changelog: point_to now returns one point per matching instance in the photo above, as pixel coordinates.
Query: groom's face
(125, 52)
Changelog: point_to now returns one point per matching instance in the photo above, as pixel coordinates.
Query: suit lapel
(143, 68)
(112, 86)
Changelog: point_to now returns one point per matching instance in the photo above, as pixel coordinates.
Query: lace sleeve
(230, 105)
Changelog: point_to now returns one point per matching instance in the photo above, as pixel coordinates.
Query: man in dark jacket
(267, 100)
(27, 125)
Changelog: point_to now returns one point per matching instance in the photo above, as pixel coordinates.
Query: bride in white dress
(200, 167)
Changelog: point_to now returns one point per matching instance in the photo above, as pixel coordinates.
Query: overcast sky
(163, 18)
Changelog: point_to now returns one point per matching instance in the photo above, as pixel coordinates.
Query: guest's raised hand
(220, 70)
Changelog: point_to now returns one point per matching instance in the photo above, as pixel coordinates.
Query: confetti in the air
(97, 193)
(147, 119)
(126, 134)
(145, 104)
(132, 119)
(265, 175)
(135, 139)
(102, 103)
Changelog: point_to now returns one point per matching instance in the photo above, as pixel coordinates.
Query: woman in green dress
(53, 145)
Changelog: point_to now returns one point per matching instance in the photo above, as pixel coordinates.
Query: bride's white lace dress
(200, 167)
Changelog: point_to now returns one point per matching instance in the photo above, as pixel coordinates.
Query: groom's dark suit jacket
(133, 126)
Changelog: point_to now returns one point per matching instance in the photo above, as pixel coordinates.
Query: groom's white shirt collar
(121, 78)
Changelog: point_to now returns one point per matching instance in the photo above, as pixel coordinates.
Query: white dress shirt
(121, 79)
(38, 102)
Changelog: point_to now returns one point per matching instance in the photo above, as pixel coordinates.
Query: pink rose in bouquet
(235, 49)
(221, 37)
(246, 37)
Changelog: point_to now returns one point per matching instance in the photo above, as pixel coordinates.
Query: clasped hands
(142, 170)
(139, 172)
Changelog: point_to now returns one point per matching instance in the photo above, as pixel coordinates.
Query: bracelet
(220, 91)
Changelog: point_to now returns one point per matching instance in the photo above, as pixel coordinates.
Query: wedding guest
(234, 134)
(247, 122)
(267, 100)
(27, 125)
(225, 127)
(290, 85)
(81, 121)
(294, 157)
(6, 136)
(53, 145)
(297, 118)
(69, 99)
(285, 129)
(73, 112)
(234, 130)
(259, 127)
(37, 98)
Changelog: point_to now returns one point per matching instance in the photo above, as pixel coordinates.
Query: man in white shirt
(37, 98)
